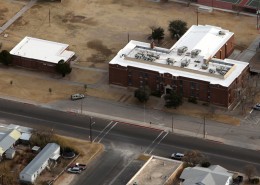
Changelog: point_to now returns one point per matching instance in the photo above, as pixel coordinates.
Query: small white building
(10, 153)
(39, 163)
(8, 139)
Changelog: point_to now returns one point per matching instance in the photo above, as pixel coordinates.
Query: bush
(156, 94)
(205, 164)
(254, 181)
(193, 100)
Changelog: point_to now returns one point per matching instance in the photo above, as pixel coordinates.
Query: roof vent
(204, 66)
(169, 61)
(221, 33)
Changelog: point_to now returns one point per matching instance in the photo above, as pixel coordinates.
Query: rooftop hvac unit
(169, 61)
(204, 66)
(185, 63)
(182, 50)
(221, 33)
(195, 52)
(212, 71)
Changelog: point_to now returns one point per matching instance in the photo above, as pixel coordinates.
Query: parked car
(75, 170)
(257, 106)
(77, 96)
(79, 165)
(177, 156)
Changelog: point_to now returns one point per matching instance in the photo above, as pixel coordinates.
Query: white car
(75, 170)
(177, 156)
(77, 96)
(257, 106)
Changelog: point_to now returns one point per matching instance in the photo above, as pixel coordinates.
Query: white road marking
(159, 142)
(103, 130)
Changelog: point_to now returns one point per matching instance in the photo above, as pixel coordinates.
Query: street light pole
(197, 16)
(172, 123)
(144, 112)
(204, 127)
(90, 129)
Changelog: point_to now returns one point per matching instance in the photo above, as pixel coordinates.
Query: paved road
(123, 142)
(17, 15)
(242, 136)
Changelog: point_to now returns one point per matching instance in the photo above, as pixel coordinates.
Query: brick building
(41, 55)
(195, 66)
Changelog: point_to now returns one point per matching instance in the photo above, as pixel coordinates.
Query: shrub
(193, 100)
(205, 164)
(156, 94)
(254, 181)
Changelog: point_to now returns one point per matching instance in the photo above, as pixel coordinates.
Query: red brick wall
(202, 90)
(219, 95)
(118, 75)
(216, 3)
(33, 64)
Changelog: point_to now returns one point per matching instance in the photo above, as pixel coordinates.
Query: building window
(193, 85)
(129, 80)
(145, 75)
(192, 93)
(141, 83)
(180, 82)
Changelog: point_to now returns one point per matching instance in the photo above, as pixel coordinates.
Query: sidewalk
(242, 136)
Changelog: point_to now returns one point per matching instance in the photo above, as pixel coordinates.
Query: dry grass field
(96, 30)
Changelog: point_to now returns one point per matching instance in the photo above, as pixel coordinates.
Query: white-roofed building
(8, 139)
(39, 54)
(213, 175)
(193, 66)
(39, 163)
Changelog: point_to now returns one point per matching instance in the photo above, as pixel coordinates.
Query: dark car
(78, 165)
(238, 180)
(177, 156)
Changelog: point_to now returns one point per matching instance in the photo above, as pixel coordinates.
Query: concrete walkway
(17, 15)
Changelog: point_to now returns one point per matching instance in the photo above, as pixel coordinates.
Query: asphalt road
(123, 142)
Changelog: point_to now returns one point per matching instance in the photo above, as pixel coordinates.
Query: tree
(63, 68)
(173, 100)
(249, 171)
(177, 28)
(157, 34)
(193, 157)
(5, 57)
(143, 93)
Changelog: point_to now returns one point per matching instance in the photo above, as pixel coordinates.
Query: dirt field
(96, 30)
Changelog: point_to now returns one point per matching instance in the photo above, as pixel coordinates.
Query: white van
(77, 96)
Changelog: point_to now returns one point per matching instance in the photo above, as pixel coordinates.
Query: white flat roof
(216, 71)
(209, 39)
(43, 50)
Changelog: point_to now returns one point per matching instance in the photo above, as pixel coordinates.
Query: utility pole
(49, 17)
(197, 16)
(172, 123)
(90, 129)
(257, 15)
(81, 105)
(144, 112)
(204, 127)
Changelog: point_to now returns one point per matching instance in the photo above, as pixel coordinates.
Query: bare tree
(249, 171)
(193, 157)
